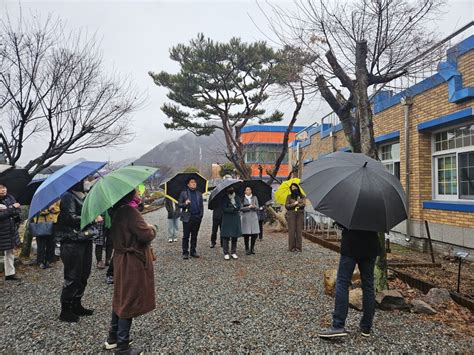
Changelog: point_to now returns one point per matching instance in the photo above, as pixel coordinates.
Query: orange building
(262, 146)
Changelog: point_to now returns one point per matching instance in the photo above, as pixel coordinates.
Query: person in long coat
(9, 238)
(250, 225)
(231, 228)
(295, 204)
(134, 287)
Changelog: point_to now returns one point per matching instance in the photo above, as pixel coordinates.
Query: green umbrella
(110, 189)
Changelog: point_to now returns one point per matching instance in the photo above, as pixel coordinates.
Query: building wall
(451, 227)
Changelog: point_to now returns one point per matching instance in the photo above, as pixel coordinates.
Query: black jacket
(186, 210)
(172, 208)
(360, 244)
(68, 226)
(9, 217)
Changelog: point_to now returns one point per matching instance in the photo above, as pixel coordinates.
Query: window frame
(444, 153)
(390, 161)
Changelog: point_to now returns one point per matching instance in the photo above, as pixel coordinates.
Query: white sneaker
(227, 257)
(234, 256)
(175, 240)
(170, 240)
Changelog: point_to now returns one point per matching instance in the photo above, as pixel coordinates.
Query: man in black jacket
(76, 254)
(359, 248)
(192, 210)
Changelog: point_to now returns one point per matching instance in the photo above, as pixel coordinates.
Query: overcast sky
(136, 36)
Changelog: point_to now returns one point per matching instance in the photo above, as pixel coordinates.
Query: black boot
(67, 315)
(79, 310)
(125, 349)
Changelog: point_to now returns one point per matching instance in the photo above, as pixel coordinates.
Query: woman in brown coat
(134, 289)
(295, 203)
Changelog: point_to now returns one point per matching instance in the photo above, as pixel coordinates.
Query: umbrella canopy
(260, 188)
(218, 192)
(27, 195)
(178, 183)
(16, 180)
(5, 167)
(356, 191)
(111, 188)
(59, 182)
(284, 191)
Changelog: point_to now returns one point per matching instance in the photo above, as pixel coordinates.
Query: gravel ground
(269, 302)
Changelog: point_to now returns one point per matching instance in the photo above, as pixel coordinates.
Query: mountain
(187, 150)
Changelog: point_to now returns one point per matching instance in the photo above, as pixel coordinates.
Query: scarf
(232, 198)
(135, 202)
(249, 199)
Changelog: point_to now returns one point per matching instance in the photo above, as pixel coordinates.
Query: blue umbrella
(59, 182)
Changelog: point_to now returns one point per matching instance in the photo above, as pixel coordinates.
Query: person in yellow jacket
(46, 243)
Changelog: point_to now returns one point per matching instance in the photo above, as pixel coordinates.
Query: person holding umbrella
(231, 228)
(134, 290)
(295, 204)
(9, 238)
(76, 253)
(192, 211)
(362, 196)
(250, 224)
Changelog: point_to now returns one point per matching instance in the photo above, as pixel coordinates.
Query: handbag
(41, 229)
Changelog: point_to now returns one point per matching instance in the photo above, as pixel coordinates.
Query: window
(454, 163)
(263, 153)
(390, 157)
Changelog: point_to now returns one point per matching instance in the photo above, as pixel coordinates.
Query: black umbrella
(260, 188)
(27, 195)
(356, 191)
(16, 180)
(219, 191)
(178, 183)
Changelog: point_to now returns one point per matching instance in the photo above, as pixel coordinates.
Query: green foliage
(227, 169)
(226, 82)
(191, 169)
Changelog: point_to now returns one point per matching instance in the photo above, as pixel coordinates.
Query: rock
(355, 298)
(419, 306)
(436, 296)
(330, 280)
(390, 300)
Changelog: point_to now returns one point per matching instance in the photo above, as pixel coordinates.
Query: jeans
(120, 329)
(216, 225)
(225, 245)
(344, 280)
(190, 229)
(173, 228)
(77, 260)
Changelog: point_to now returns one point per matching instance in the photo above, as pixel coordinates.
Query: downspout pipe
(407, 102)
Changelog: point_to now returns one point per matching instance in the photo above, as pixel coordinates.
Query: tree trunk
(364, 115)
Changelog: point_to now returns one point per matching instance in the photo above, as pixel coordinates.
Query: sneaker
(170, 240)
(227, 257)
(234, 256)
(365, 333)
(194, 255)
(109, 280)
(332, 333)
(42, 266)
(175, 240)
(111, 343)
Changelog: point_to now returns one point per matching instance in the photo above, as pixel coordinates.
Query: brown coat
(134, 286)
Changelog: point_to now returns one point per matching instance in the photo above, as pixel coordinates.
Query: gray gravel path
(270, 302)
